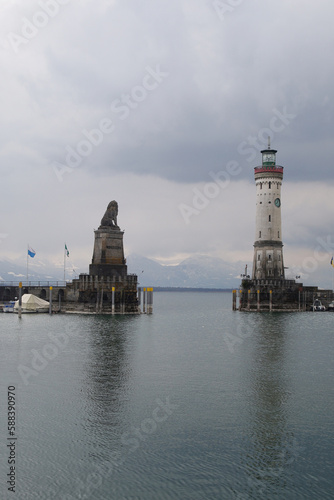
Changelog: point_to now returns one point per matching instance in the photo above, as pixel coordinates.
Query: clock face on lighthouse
(268, 157)
(277, 202)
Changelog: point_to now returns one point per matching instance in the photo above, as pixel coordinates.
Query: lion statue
(110, 217)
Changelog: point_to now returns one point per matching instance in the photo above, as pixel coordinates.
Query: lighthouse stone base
(279, 295)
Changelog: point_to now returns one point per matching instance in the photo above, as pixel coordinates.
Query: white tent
(31, 303)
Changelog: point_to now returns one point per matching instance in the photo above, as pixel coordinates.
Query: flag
(31, 252)
(332, 261)
(66, 251)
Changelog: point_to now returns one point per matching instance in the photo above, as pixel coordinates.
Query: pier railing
(29, 283)
(130, 278)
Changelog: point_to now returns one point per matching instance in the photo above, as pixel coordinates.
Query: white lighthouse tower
(268, 246)
(268, 290)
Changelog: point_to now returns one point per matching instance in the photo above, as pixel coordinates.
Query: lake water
(193, 402)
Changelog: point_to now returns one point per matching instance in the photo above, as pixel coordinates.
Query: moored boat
(317, 306)
(8, 308)
(331, 306)
(32, 304)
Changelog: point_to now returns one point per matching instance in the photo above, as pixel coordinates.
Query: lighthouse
(268, 289)
(268, 246)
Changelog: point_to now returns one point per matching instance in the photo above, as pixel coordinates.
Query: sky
(164, 106)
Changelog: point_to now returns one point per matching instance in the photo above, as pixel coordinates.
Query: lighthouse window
(259, 257)
(259, 234)
(269, 257)
(278, 234)
(269, 185)
(279, 257)
(260, 185)
(269, 218)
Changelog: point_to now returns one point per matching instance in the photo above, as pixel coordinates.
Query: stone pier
(280, 295)
(108, 288)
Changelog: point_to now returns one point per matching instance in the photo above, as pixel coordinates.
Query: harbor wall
(278, 295)
(88, 293)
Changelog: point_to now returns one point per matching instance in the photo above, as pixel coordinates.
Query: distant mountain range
(195, 272)
(38, 271)
(200, 271)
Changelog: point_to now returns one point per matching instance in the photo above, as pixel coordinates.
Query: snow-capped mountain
(195, 272)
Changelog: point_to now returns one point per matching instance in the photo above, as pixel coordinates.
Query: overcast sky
(147, 103)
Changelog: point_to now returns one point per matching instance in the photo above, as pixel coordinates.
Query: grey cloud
(226, 80)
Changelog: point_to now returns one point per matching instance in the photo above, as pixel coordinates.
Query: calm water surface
(193, 402)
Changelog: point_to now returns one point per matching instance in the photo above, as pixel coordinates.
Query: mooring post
(248, 300)
(50, 300)
(270, 300)
(121, 306)
(97, 299)
(101, 302)
(149, 300)
(139, 298)
(20, 299)
(113, 300)
(240, 299)
(234, 300)
(258, 300)
(144, 300)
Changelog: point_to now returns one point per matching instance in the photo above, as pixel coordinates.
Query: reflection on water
(270, 445)
(252, 422)
(107, 373)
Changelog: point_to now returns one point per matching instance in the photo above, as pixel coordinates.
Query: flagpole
(27, 264)
(66, 254)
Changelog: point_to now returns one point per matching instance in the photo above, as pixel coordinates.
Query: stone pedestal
(108, 256)
(108, 288)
